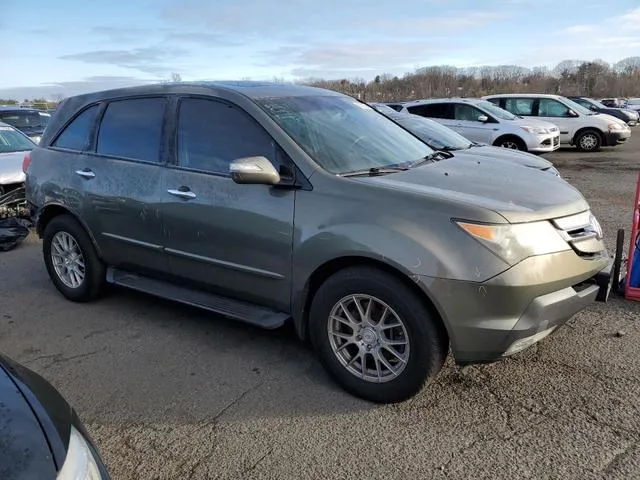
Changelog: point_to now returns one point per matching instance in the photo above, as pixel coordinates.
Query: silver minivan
(484, 122)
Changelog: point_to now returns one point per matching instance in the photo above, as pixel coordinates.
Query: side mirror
(593, 107)
(254, 170)
(483, 118)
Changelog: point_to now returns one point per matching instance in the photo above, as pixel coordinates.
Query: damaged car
(13, 146)
(274, 203)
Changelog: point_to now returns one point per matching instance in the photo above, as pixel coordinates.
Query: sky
(73, 46)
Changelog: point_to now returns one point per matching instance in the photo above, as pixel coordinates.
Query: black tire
(588, 141)
(512, 142)
(426, 337)
(92, 285)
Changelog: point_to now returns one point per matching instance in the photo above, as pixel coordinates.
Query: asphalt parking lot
(170, 392)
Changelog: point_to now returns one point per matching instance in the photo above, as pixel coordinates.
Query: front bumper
(614, 138)
(506, 314)
(544, 143)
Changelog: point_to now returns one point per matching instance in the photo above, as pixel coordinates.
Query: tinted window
(520, 106)
(433, 110)
(132, 129)
(552, 108)
(212, 134)
(466, 112)
(76, 135)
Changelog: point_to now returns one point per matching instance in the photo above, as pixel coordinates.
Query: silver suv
(279, 203)
(484, 122)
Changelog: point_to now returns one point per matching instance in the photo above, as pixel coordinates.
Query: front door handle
(182, 192)
(86, 173)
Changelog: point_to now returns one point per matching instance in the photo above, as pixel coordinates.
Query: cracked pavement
(171, 392)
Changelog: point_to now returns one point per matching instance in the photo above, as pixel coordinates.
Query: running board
(227, 307)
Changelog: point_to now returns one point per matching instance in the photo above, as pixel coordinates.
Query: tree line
(597, 79)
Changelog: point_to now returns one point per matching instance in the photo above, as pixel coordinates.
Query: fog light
(526, 342)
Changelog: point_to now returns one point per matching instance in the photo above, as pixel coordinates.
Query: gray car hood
(522, 158)
(11, 168)
(517, 193)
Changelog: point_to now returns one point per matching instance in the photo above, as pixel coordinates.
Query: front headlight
(515, 242)
(535, 130)
(614, 127)
(79, 463)
(36, 139)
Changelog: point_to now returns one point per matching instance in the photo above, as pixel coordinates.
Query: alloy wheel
(369, 338)
(67, 259)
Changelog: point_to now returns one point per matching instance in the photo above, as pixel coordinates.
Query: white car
(481, 121)
(13, 145)
(580, 127)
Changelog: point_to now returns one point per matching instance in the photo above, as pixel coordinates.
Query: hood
(510, 190)
(610, 119)
(633, 113)
(11, 168)
(522, 158)
(24, 451)
(52, 413)
(534, 122)
(612, 111)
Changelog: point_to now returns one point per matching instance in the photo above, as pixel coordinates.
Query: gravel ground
(169, 392)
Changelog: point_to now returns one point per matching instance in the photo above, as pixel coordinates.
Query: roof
(251, 89)
(441, 100)
(523, 95)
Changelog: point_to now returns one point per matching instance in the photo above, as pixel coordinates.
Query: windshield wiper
(432, 157)
(372, 172)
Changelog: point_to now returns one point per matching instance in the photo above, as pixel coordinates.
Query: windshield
(386, 109)
(496, 111)
(576, 107)
(25, 119)
(12, 141)
(343, 135)
(596, 103)
(436, 135)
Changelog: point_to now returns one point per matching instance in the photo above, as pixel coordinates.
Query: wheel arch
(49, 212)
(302, 304)
(513, 136)
(588, 129)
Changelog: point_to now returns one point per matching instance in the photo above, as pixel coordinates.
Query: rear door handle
(85, 173)
(182, 192)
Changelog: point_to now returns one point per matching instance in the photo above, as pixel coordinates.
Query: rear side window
(76, 135)
(212, 134)
(520, 106)
(132, 129)
(433, 110)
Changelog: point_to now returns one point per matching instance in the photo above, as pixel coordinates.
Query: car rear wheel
(375, 336)
(514, 143)
(71, 260)
(588, 141)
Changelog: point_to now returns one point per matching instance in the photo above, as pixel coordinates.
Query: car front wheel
(375, 336)
(588, 141)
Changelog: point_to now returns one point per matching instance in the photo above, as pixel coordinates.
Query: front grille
(583, 233)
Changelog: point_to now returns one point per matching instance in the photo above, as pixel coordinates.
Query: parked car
(630, 117)
(13, 145)
(613, 102)
(439, 137)
(481, 121)
(29, 121)
(271, 203)
(579, 127)
(40, 433)
(633, 104)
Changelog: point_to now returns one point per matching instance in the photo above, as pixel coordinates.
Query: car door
(119, 182)
(553, 111)
(232, 239)
(467, 124)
